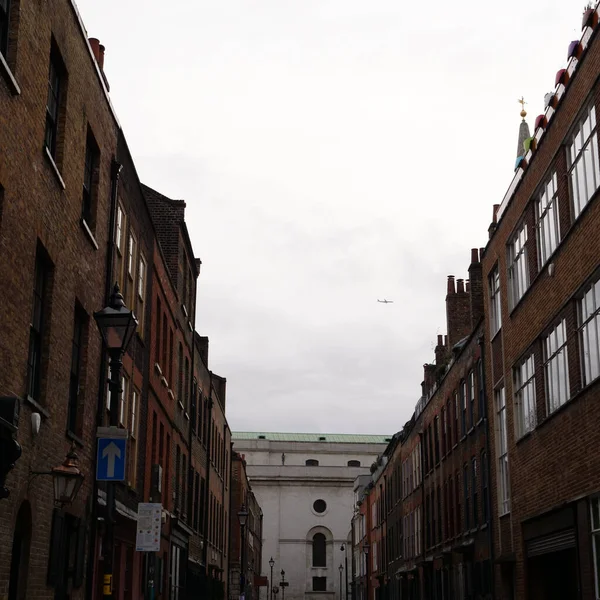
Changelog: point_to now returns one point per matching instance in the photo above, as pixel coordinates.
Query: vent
(388, 439)
(262, 437)
(322, 438)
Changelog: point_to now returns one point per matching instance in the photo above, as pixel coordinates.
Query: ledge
(9, 77)
(157, 368)
(89, 233)
(170, 392)
(37, 406)
(54, 168)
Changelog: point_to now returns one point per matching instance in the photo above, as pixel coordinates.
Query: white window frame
(556, 368)
(502, 444)
(496, 307)
(595, 531)
(119, 228)
(583, 161)
(131, 252)
(547, 219)
(123, 400)
(589, 331)
(518, 268)
(142, 269)
(524, 396)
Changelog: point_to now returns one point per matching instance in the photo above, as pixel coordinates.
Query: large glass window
(91, 163)
(518, 270)
(472, 395)
(524, 376)
(496, 311)
(582, 157)
(319, 550)
(556, 367)
(502, 443)
(547, 223)
(595, 519)
(55, 81)
(589, 331)
(4, 21)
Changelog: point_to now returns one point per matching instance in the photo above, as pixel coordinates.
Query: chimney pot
(496, 209)
(474, 256)
(95, 45)
(451, 289)
(460, 286)
(440, 340)
(101, 50)
(467, 286)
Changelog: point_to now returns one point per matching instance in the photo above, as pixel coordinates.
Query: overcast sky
(331, 152)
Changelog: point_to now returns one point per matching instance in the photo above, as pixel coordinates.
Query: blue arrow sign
(111, 459)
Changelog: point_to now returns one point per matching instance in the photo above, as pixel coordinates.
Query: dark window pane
(319, 551)
(319, 584)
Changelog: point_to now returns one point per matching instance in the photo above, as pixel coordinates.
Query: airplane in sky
(384, 301)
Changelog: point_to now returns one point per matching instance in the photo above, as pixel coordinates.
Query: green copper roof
(340, 438)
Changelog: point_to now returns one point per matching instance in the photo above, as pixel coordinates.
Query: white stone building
(304, 485)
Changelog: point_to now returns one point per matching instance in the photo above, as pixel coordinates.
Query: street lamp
(117, 325)
(271, 564)
(341, 568)
(366, 549)
(243, 518)
(282, 584)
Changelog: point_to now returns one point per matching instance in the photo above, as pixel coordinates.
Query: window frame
(319, 551)
(90, 166)
(56, 76)
(502, 454)
(554, 360)
(595, 534)
(590, 372)
(577, 205)
(80, 320)
(524, 393)
(5, 16)
(472, 391)
(518, 266)
(547, 219)
(495, 301)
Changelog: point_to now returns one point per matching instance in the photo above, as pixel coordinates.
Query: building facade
(304, 485)
(542, 353)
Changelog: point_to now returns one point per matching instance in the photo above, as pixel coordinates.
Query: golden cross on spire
(522, 102)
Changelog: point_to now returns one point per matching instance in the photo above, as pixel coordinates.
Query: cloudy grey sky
(331, 152)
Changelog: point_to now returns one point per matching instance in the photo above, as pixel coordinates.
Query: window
(133, 438)
(56, 79)
(466, 496)
(119, 227)
(495, 307)
(474, 491)
(484, 487)
(524, 376)
(131, 251)
(186, 384)
(436, 435)
(311, 462)
(449, 418)
(319, 555)
(319, 584)
(444, 430)
(589, 331)
(456, 417)
(79, 326)
(481, 382)
(556, 367)
(472, 395)
(547, 222)
(177, 476)
(463, 407)
(518, 271)
(141, 293)
(4, 22)
(123, 402)
(595, 520)
(37, 327)
(91, 164)
(503, 487)
(180, 379)
(354, 463)
(194, 406)
(157, 345)
(582, 159)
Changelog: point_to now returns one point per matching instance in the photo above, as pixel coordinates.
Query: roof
(340, 438)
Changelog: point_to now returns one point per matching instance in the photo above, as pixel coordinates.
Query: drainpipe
(481, 342)
(115, 171)
(207, 491)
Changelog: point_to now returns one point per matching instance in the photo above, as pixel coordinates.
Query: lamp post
(366, 549)
(343, 549)
(243, 518)
(341, 568)
(117, 325)
(271, 564)
(282, 584)
(67, 478)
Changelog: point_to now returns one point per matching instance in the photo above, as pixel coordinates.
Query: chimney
(493, 224)
(428, 378)
(441, 351)
(101, 50)
(458, 312)
(476, 287)
(95, 45)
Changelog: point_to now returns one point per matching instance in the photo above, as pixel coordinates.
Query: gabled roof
(339, 438)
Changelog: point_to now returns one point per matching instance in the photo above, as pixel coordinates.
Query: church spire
(524, 134)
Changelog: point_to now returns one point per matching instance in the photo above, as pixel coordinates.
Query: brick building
(543, 349)
(242, 497)
(427, 521)
(58, 140)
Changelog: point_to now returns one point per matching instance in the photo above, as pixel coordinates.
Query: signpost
(112, 454)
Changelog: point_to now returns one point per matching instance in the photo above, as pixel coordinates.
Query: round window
(320, 506)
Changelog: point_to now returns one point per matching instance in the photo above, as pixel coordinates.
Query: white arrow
(112, 451)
